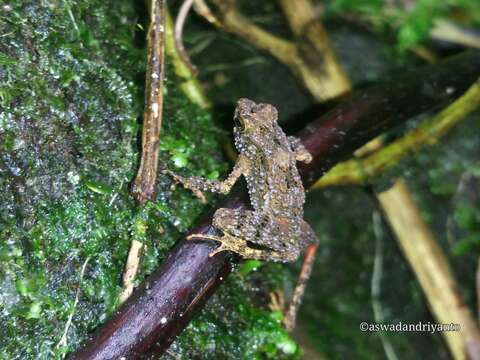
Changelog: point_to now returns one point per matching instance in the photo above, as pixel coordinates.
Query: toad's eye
(237, 122)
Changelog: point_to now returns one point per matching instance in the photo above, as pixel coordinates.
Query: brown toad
(267, 159)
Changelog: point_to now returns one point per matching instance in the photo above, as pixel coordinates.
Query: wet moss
(234, 326)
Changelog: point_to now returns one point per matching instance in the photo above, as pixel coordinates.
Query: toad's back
(273, 181)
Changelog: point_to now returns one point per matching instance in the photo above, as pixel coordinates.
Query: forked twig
(320, 73)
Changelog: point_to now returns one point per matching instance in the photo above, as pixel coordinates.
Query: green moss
(411, 23)
(246, 332)
(467, 217)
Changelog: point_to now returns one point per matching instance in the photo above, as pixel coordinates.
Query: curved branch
(178, 34)
(315, 49)
(310, 57)
(189, 83)
(236, 23)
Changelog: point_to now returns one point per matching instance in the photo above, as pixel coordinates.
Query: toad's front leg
(197, 183)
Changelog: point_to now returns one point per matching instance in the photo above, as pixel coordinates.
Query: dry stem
(315, 50)
(204, 11)
(431, 268)
(189, 83)
(131, 268)
(319, 71)
(144, 183)
(449, 31)
(143, 186)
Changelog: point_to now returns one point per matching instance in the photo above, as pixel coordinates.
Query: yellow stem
(359, 170)
(431, 268)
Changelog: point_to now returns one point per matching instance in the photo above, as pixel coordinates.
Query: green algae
(71, 94)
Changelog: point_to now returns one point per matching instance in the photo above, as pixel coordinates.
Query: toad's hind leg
(240, 246)
(239, 227)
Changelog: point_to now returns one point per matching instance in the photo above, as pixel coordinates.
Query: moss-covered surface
(231, 329)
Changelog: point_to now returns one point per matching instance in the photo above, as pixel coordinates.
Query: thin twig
(178, 34)
(202, 9)
(188, 82)
(144, 183)
(63, 339)
(233, 21)
(376, 284)
(449, 31)
(131, 269)
(308, 261)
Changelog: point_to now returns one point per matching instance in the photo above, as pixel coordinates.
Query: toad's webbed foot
(220, 239)
(240, 246)
(227, 243)
(301, 153)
